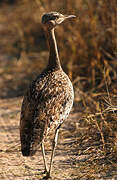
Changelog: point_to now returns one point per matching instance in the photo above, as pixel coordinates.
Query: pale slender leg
(53, 150)
(44, 158)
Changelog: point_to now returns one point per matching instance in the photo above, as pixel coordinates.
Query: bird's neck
(54, 61)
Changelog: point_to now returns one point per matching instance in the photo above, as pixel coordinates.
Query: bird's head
(51, 19)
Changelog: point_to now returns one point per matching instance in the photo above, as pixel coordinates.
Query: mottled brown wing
(31, 129)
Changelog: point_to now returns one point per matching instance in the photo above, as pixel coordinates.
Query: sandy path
(14, 166)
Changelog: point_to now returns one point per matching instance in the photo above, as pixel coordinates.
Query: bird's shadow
(40, 172)
(45, 178)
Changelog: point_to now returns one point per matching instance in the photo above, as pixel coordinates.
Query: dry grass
(88, 53)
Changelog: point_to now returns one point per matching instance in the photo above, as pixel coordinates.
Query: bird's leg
(53, 149)
(44, 158)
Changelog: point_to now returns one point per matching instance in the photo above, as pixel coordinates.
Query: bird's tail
(31, 137)
(29, 144)
(27, 150)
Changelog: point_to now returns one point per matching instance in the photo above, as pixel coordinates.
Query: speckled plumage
(46, 104)
(49, 99)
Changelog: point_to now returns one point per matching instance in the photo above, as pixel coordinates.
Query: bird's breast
(56, 98)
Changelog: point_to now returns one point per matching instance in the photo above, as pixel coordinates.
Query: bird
(48, 100)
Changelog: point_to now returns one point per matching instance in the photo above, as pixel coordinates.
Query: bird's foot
(48, 174)
(45, 172)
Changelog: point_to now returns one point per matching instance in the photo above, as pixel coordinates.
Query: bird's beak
(69, 16)
(64, 17)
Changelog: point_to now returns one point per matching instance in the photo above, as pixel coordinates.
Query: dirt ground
(14, 166)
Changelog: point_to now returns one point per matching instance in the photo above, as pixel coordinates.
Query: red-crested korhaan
(48, 100)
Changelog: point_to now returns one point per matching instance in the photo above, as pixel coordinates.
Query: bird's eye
(54, 17)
